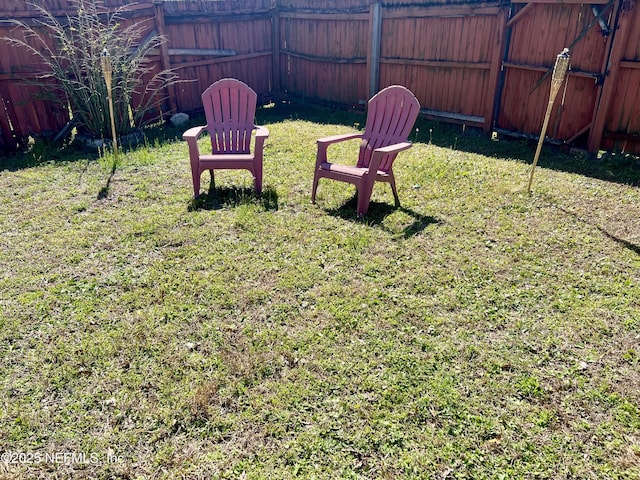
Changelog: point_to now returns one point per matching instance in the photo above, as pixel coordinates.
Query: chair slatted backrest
(391, 114)
(230, 108)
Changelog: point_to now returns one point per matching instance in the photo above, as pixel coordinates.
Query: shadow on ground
(44, 151)
(613, 167)
(230, 197)
(104, 191)
(379, 212)
(620, 241)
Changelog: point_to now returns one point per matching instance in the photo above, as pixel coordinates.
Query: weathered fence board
(479, 63)
(616, 125)
(246, 37)
(324, 56)
(25, 109)
(445, 59)
(529, 62)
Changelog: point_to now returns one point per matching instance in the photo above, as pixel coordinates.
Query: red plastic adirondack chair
(229, 107)
(391, 114)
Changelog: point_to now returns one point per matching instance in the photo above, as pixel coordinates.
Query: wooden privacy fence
(483, 64)
(207, 40)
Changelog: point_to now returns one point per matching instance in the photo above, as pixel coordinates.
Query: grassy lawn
(475, 332)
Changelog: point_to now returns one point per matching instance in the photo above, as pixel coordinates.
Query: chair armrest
(262, 132)
(191, 136)
(323, 144)
(379, 153)
(339, 138)
(193, 133)
(395, 148)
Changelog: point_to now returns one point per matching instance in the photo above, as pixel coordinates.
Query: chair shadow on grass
(379, 212)
(218, 198)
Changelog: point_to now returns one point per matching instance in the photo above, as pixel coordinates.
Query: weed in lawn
(529, 388)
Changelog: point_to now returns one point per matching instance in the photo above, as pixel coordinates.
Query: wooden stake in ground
(107, 71)
(559, 73)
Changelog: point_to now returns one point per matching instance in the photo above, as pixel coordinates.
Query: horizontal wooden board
(449, 53)
(340, 83)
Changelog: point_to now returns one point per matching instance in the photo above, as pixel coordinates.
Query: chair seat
(349, 170)
(229, 107)
(391, 114)
(227, 157)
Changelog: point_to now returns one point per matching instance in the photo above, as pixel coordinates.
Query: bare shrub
(72, 60)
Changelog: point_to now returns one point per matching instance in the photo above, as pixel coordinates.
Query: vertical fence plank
(621, 29)
(375, 27)
(450, 55)
(497, 53)
(275, 47)
(165, 60)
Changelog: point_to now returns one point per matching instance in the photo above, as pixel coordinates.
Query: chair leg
(392, 181)
(212, 185)
(257, 179)
(314, 187)
(365, 189)
(195, 178)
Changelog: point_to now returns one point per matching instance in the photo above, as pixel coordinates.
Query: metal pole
(559, 73)
(107, 71)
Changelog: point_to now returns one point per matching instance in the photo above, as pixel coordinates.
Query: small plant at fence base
(73, 62)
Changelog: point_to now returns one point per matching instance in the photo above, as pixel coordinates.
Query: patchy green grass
(475, 332)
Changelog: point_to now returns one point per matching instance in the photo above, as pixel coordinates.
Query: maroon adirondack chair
(229, 107)
(391, 114)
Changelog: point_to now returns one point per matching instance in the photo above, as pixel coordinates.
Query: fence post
(373, 55)
(622, 28)
(494, 73)
(275, 46)
(165, 60)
